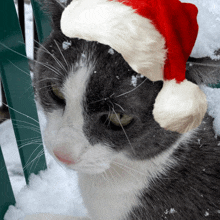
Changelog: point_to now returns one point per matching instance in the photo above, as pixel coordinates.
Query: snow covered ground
(55, 190)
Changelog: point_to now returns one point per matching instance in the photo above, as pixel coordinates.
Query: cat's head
(97, 107)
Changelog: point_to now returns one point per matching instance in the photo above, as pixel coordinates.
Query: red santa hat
(155, 37)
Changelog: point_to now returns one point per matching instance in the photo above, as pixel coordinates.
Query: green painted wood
(6, 194)
(42, 21)
(16, 81)
(215, 85)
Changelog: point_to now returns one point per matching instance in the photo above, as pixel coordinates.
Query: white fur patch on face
(64, 130)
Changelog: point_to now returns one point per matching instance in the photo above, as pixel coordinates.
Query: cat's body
(100, 123)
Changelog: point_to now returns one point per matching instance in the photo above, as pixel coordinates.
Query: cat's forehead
(98, 69)
(72, 52)
(106, 69)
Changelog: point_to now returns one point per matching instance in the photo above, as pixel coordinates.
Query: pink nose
(65, 158)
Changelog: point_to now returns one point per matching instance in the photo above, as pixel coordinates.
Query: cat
(100, 123)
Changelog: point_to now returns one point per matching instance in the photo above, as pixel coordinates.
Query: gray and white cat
(100, 123)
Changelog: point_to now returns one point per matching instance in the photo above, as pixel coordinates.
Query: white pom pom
(180, 107)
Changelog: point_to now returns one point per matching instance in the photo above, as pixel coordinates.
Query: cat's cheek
(69, 146)
(96, 159)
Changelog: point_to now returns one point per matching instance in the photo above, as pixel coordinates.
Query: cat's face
(96, 106)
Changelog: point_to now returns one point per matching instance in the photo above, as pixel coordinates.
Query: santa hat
(155, 37)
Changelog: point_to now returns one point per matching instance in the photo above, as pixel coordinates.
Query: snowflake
(66, 45)
(111, 51)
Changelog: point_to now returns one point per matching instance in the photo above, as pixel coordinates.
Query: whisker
(29, 143)
(36, 126)
(203, 64)
(116, 172)
(130, 168)
(20, 112)
(119, 106)
(128, 171)
(112, 176)
(104, 176)
(47, 51)
(28, 163)
(39, 155)
(63, 6)
(43, 87)
(31, 86)
(124, 130)
(105, 99)
(20, 54)
(132, 89)
(61, 53)
(20, 69)
(29, 139)
(29, 128)
(49, 67)
(100, 100)
(49, 79)
(109, 112)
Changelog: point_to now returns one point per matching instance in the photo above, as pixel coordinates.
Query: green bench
(15, 77)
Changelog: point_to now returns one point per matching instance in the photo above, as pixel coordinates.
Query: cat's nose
(63, 157)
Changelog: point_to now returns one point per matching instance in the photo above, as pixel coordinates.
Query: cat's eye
(119, 119)
(56, 91)
(56, 94)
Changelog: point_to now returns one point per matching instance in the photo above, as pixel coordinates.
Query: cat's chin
(93, 170)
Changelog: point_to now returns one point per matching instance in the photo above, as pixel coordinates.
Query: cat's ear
(54, 9)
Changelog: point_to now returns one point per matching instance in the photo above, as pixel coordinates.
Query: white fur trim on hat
(180, 107)
(117, 25)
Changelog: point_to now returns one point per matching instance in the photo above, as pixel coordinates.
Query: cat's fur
(141, 171)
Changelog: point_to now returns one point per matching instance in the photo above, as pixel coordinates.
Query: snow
(206, 214)
(134, 81)
(55, 190)
(213, 98)
(66, 45)
(111, 51)
(52, 191)
(209, 28)
(29, 30)
(171, 211)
